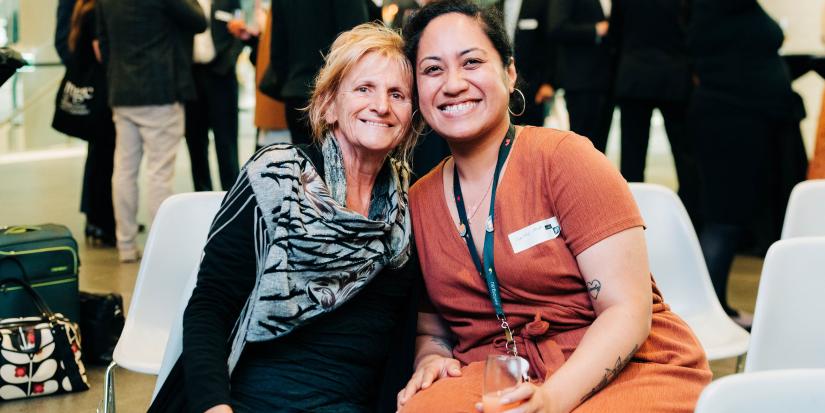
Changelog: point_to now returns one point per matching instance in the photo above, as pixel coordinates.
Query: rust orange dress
(557, 174)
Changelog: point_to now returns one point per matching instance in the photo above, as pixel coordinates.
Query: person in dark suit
(147, 49)
(216, 107)
(528, 24)
(653, 72)
(302, 32)
(740, 112)
(584, 66)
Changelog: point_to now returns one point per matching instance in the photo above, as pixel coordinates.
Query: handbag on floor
(101, 322)
(39, 355)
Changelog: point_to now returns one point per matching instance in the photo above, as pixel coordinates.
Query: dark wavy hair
(489, 18)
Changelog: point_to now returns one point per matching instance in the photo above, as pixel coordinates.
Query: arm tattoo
(611, 373)
(594, 287)
(443, 343)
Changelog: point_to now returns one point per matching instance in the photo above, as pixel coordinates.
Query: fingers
(522, 392)
(452, 368)
(412, 386)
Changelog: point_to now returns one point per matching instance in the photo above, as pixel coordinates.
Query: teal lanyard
(485, 266)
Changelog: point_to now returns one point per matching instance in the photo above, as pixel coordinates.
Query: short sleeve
(591, 199)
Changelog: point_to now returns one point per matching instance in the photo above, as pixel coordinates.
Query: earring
(524, 104)
(423, 129)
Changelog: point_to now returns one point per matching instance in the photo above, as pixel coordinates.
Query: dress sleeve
(225, 280)
(591, 199)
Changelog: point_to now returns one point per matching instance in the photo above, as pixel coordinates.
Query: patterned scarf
(312, 253)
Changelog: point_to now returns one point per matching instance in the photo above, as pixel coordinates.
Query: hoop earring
(523, 106)
(423, 129)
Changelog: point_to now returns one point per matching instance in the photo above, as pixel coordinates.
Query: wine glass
(501, 374)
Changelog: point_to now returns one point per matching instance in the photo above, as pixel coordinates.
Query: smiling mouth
(376, 124)
(458, 108)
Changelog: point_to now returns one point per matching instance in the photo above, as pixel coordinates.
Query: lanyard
(485, 267)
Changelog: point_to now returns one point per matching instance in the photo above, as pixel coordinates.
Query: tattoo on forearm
(594, 287)
(443, 343)
(611, 373)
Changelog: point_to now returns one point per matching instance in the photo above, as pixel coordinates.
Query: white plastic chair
(788, 331)
(677, 264)
(797, 391)
(805, 215)
(173, 252)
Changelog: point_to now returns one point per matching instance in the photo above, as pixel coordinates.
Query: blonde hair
(346, 51)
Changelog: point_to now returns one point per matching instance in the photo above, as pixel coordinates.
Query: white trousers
(157, 132)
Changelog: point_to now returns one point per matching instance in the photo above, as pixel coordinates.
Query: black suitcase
(46, 257)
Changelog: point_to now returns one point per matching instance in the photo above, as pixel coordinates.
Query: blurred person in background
(653, 72)
(528, 26)
(302, 32)
(96, 195)
(741, 109)
(215, 54)
(147, 48)
(584, 68)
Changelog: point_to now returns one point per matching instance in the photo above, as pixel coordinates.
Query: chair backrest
(788, 331)
(805, 215)
(678, 266)
(173, 250)
(174, 344)
(676, 259)
(798, 391)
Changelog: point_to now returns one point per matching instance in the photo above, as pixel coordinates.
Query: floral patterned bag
(39, 355)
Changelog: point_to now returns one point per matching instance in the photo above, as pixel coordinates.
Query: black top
(734, 45)
(651, 38)
(583, 59)
(147, 46)
(338, 359)
(227, 46)
(302, 32)
(62, 28)
(533, 50)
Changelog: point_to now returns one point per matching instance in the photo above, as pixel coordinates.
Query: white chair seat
(797, 391)
(678, 266)
(720, 336)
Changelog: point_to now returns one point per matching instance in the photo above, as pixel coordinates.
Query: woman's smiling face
(463, 86)
(373, 105)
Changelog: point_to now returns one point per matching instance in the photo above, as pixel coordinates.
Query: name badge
(528, 24)
(534, 234)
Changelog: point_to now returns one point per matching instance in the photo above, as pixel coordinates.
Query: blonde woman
(307, 266)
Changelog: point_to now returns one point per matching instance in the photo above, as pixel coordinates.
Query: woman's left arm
(618, 280)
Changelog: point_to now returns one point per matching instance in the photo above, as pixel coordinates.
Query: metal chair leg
(740, 362)
(109, 389)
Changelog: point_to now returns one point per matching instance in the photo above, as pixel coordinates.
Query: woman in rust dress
(541, 218)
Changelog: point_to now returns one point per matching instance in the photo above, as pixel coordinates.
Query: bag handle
(20, 229)
(38, 301)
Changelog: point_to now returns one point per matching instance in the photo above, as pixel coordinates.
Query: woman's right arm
(225, 280)
(433, 356)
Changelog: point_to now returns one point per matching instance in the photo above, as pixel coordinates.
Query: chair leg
(109, 389)
(740, 363)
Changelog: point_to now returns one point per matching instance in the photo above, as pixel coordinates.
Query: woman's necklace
(483, 197)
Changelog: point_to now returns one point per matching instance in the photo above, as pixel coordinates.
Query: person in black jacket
(584, 66)
(216, 106)
(62, 27)
(741, 105)
(147, 49)
(529, 28)
(302, 32)
(653, 72)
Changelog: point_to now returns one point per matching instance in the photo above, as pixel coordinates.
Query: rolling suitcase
(46, 257)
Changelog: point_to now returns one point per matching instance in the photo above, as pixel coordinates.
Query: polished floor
(40, 175)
